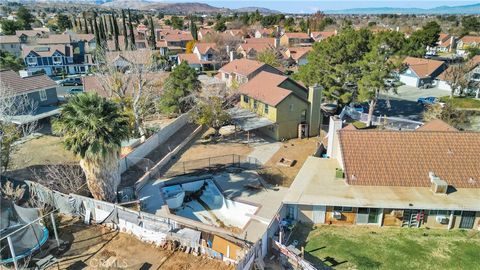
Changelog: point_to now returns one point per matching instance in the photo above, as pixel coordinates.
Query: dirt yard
(295, 149)
(95, 247)
(225, 146)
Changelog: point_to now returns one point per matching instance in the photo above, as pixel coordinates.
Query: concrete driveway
(411, 93)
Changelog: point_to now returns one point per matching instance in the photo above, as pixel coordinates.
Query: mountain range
(466, 9)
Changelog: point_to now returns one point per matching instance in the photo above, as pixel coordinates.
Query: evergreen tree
(115, 32)
(125, 35)
(153, 40)
(107, 35)
(101, 30)
(132, 34)
(25, 18)
(80, 26)
(110, 21)
(84, 14)
(92, 30)
(98, 39)
(193, 30)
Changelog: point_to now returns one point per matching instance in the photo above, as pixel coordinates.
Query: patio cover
(40, 113)
(248, 120)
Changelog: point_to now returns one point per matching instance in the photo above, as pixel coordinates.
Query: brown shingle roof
(191, 58)
(403, 158)
(257, 47)
(423, 67)
(9, 39)
(265, 87)
(204, 47)
(47, 50)
(297, 35)
(270, 41)
(21, 85)
(55, 39)
(298, 52)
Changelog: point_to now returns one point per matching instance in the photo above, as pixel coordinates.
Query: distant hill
(261, 10)
(184, 8)
(466, 9)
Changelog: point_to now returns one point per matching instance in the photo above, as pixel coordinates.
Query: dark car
(427, 100)
(74, 91)
(71, 81)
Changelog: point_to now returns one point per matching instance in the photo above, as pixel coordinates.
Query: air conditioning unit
(336, 215)
(442, 219)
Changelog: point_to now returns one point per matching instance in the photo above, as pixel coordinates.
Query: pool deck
(237, 186)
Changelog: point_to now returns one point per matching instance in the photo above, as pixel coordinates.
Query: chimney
(452, 41)
(227, 47)
(308, 32)
(333, 148)
(315, 111)
(276, 42)
(438, 186)
(232, 56)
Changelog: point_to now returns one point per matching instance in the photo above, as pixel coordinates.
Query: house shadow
(394, 107)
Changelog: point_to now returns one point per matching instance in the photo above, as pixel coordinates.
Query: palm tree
(93, 128)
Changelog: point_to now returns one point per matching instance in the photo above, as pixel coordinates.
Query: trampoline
(26, 240)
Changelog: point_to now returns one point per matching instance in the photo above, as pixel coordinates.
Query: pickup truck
(427, 100)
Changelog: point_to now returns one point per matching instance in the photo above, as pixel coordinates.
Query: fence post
(12, 252)
(55, 229)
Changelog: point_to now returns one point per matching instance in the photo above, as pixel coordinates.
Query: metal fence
(212, 164)
(395, 123)
(145, 226)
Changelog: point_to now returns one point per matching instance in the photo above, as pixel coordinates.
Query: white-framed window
(227, 75)
(31, 60)
(266, 109)
(43, 95)
(57, 59)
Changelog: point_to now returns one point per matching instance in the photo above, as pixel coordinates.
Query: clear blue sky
(312, 5)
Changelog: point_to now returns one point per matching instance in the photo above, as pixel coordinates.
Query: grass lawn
(359, 247)
(463, 103)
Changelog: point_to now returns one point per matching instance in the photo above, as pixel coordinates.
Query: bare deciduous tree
(457, 79)
(65, 178)
(14, 108)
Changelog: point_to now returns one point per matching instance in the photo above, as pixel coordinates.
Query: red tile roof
(470, 39)
(423, 67)
(204, 47)
(405, 158)
(9, 39)
(297, 35)
(436, 125)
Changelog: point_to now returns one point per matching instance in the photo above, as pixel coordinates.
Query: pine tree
(85, 22)
(98, 39)
(125, 35)
(153, 40)
(104, 19)
(115, 32)
(132, 34)
(79, 26)
(110, 21)
(101, 29)
(90, 22)
(193, 30)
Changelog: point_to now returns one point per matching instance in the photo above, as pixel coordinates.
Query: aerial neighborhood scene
(174, 134)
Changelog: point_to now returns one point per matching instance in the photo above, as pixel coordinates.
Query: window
(342, 209)
(290, 107)
(255, 104)
(245, 99)
(31, 60)
(227, 75)
(304, 116)
(266, 108)
(43, 95)
(57, 60)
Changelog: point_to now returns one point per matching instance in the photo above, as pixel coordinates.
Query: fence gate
(468, 218)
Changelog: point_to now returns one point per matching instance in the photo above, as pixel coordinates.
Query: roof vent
(438, 186)
(472, 181)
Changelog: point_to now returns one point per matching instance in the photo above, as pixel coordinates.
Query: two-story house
(202, 57)
(54, 60)
(11, 44)
(239, 71)
(445, 43)
(287, 109)
(39, 94)
(295, 40)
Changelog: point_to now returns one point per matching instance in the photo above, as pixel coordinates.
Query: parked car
(427, 100)
(358, 107)
(74, 91)
(71, 82)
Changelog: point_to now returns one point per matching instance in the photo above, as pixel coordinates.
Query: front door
(468, 218)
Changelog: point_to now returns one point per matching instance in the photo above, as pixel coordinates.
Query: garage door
(411, 81)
